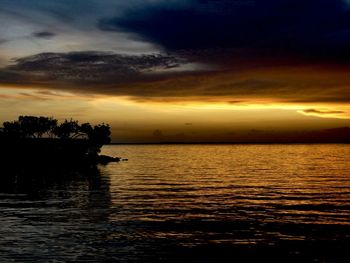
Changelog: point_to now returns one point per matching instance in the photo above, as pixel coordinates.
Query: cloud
(44, 34)
(322, 111)
(21, 96)
(309, 28)
(72, 22)
(158, 78)
(89, 67)
(326, 113)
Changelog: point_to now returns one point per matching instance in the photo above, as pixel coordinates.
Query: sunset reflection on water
(196, 203)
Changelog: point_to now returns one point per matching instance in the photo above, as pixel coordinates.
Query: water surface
(198, 203)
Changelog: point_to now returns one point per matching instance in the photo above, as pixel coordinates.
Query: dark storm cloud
(44, 34)
(151, 78)
(252, 50)
(86, 67)
(310, 28)
(63, 10)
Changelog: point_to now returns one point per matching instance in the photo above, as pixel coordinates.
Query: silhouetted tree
(12, 129)
(36, 127)
(101, 134)
(29, 127)
(66, 130)
(66, 141)
(98, 136)
(46, 125)
(84, 131)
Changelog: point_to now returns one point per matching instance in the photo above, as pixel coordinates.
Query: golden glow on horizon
(322, 110)
(134, 121)
(110, 105)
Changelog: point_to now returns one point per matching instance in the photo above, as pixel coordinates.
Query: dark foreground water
(179, 203)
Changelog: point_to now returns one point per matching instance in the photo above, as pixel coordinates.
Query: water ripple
(198, 203)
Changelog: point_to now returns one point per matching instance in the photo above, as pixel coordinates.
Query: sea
(183, 203)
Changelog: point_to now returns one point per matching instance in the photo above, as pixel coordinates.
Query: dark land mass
(50, 152)
(41, 141)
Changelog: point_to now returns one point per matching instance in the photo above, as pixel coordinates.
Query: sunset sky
(176, 70)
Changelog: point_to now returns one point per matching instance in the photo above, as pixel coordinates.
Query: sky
(175, 70)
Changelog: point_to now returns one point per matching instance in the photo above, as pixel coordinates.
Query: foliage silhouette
(29, 127)
(45, 139)
(66, 130)
(36, 127)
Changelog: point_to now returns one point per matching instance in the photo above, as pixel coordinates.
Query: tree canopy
(39, 127)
